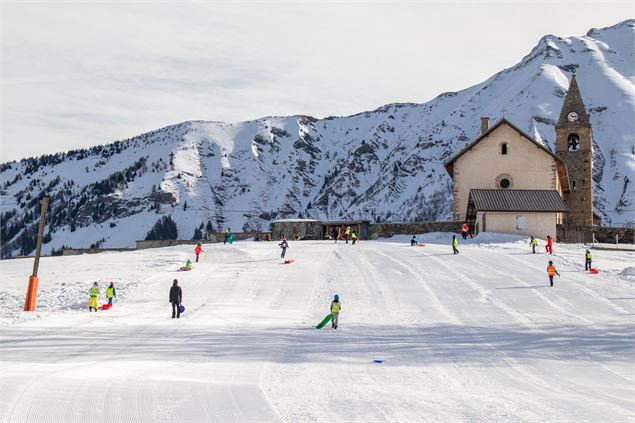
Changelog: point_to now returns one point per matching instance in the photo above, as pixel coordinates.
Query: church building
(505, 181)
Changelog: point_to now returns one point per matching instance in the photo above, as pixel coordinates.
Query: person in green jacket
(111, 292)
(455, 244)
(94, 294)
(335, 311)
(533, 243)
(587, 263)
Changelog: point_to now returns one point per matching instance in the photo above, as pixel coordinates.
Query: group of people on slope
(111, 293)
(345, 234)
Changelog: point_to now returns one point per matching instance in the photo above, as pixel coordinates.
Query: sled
(184, 269)
(105, 307)
(593, 271)
(421, 245)
(230, 239)
(288, 261)
(181, 309)
(325, 321)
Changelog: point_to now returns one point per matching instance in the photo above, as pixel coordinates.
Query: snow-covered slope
(383, 165)
(478, 337)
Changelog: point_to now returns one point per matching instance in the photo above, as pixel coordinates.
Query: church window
(504, 148)
(504, 183)
(573, 142)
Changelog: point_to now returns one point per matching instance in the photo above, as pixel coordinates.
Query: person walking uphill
(549, 246)
(464, 229)
(336, 233)
(198, 250)
(111, 292)
(533, 243)
(284, 245)
(176, 298)
(94, 294)
(455, 244)
(551, 271)
(588, 258)
(335, 311)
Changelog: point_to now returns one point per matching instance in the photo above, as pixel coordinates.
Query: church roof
(562, 167)
(517, 200)
(573, 103)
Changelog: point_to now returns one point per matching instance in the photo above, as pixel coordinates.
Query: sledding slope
(476, 337)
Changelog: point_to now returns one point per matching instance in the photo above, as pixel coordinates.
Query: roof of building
(562, 168)
(517, 200)
(344, 222)
(294, 220)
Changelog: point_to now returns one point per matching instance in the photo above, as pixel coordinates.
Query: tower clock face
(573, 116)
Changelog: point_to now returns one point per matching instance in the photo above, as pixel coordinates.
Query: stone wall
(79, 251)
(213, 238)
(603, 234)
(377, 230)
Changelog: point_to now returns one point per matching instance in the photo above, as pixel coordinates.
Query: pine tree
(184, 205)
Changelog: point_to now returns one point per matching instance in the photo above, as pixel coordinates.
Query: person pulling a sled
(533, 243)
(111, 292)
(551, 271)
(284, 245)
(455, 244)
(227, 234)
(335, 310)
(176, 298)
(198, 250)
(94, 294)
(588, 257)
(413, 241)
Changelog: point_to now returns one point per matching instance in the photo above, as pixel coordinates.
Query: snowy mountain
(382, 165)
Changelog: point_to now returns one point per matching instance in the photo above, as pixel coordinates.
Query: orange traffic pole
(31, 293)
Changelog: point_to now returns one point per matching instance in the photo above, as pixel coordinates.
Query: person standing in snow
(354, 236)
(176, 298)
(198, 250)
(455, 244)
(94, 294)
(111, 292)
(336, 233)
(464, 229)
(227, 234)
(533, 244)
(335, 311)
(413, 241)
(551, 271)
(549, 246)
(347, 233)
(588, 257)
(284, 245)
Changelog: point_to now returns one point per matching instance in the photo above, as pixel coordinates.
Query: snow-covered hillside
(382, 165)
(478, 337)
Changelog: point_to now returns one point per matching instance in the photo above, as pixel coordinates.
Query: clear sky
(76, 74)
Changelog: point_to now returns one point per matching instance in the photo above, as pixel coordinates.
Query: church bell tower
(574, 145)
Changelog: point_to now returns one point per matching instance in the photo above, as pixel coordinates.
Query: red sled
(184, 269)
(288, 261)
(105, 307)
(593, 271)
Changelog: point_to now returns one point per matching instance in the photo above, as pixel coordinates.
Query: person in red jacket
(549, 246)
(464, 229)
(198, 250)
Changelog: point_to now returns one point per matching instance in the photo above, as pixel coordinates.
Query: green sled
(325, 321)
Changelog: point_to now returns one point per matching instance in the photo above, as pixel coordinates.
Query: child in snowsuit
(227, 234)
(347, 233)
(551, 271)
(336, 233)
(549, 246)
(188, 264)
(464, 230)
(111, 292)
(176, 298)
(413, 241)
(335, 311)
(354, 236)
(533, 244)
(455, 244)
(284, 245)
(198, 251)
(94, 294)
(587, 262)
